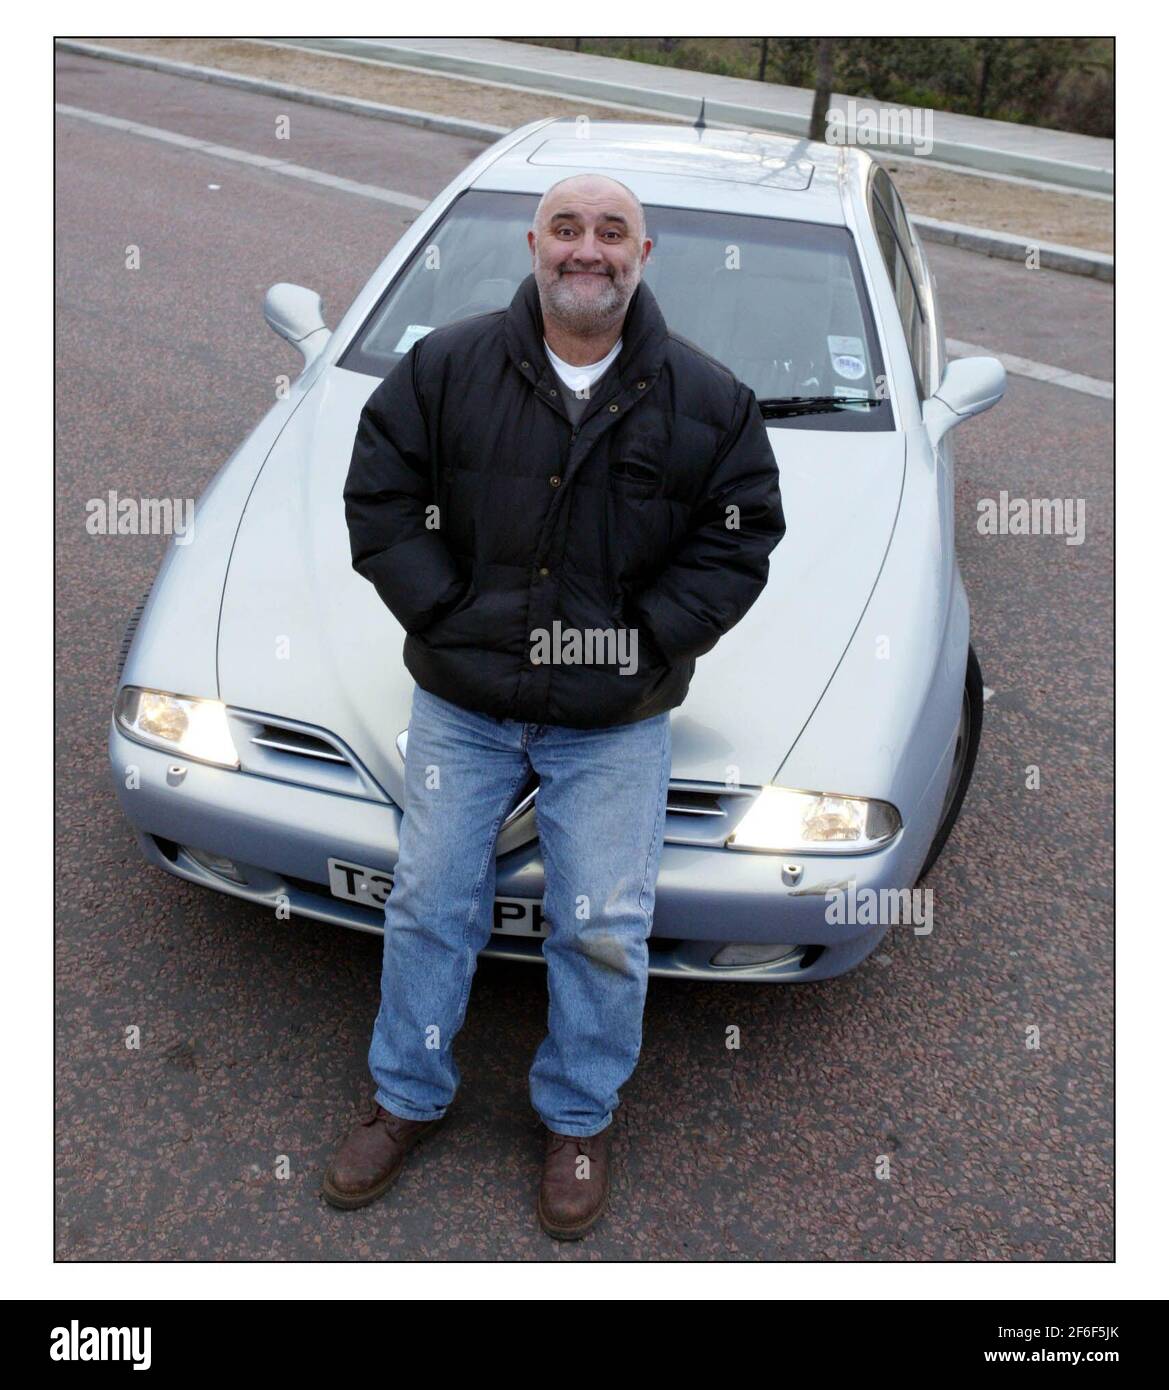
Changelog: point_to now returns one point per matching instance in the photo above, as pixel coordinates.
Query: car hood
(302, 636)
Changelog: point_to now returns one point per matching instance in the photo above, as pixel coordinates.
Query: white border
(28, 558)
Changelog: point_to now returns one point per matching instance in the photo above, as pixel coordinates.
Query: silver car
(824, 749)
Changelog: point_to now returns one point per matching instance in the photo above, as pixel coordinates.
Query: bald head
(588, 246)
(598, 192)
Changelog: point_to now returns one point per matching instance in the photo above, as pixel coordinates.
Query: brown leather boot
(369, 1161)
(573, 1193)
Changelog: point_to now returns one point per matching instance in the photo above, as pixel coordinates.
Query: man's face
(587, 255)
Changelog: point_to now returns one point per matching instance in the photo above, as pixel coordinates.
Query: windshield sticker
(851, 347)
(850, 393)
(847, 366)
(413, 332)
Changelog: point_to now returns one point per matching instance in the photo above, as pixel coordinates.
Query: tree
(818, 125)
(986, 54)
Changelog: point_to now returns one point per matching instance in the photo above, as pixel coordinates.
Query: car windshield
(781, 303)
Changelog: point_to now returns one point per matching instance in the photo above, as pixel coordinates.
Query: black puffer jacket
(482, 516)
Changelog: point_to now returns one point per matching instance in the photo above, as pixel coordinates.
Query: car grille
(524, 803)
(697, 813)
(704, 813)
(294, 752)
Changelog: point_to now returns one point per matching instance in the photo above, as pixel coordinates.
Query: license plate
(371, 887)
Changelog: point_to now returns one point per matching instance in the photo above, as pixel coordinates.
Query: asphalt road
(254, 1032)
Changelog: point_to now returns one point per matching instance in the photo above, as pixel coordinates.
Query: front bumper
(280, 836)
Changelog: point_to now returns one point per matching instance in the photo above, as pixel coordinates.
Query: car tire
(965, 754)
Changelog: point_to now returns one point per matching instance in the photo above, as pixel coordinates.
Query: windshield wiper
(775, 406)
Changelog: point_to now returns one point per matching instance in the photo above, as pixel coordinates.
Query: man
(564, 505)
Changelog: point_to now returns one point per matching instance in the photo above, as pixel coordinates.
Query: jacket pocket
(625, 616)
(638, 532)
(467, 599)
(634, 477)
(448, 615)
(610, 549)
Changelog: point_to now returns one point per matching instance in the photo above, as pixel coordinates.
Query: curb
(973, 157)
(1049, 255)
(1072, 260)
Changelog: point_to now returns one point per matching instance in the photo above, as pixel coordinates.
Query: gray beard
(603, 312)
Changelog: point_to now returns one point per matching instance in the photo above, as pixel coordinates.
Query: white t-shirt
(578, 378)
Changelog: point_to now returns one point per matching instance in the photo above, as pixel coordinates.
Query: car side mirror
(297, 315)
(969, 386)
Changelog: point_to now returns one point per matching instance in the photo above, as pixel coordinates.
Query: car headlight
(196, 728)
(782, 821)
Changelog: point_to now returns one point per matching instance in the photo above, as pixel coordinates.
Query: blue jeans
(600, 814)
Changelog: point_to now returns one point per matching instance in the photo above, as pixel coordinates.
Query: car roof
(748, 171)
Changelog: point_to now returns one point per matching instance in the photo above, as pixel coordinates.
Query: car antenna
(700, 123)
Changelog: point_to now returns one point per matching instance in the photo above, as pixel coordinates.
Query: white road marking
(259, 161)
(1037, 371)
(1020, 366)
